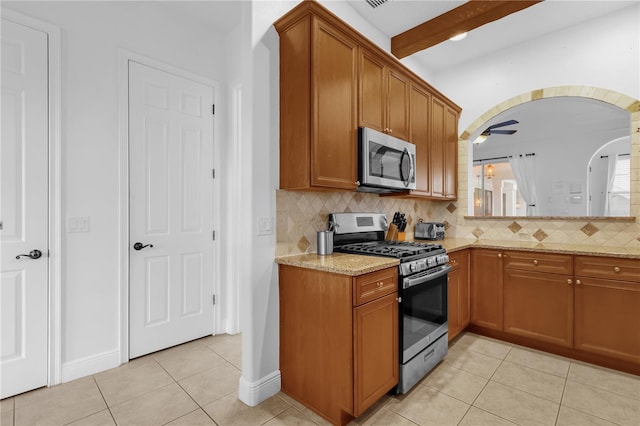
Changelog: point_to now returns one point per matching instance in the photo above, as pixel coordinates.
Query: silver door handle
(33, 254)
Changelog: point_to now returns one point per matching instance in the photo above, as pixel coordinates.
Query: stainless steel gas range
(423, 274)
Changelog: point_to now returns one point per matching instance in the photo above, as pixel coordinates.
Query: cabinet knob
(535, 262)
(616, 269)
(390, 131)
(499, 254)
(569, 281)
(578, 282)
(453, 261)
(380, 284)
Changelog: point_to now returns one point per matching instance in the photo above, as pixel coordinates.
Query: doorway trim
(612, 97)
(124, 56)
(54, 332)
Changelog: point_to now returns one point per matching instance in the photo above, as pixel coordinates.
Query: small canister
(325, 242)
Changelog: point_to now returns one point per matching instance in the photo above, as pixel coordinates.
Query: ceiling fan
(491, 130)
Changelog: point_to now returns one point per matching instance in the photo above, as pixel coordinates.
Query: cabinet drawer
(376, 284)
(541, 262)
(611, 268)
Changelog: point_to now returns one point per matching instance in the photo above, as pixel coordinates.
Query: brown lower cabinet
(584, 307)
(338, 339)
(539, 305)
(486, 288)
(458, 293)
(607, 311)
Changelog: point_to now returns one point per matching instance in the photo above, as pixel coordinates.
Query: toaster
(429, 231)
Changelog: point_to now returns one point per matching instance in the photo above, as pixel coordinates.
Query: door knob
(33, 254)
(140, 246)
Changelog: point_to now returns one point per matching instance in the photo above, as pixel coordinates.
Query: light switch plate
(78, 224)
(265, 225)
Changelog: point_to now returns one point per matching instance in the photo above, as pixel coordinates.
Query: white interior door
(171, 285)
(24, 210)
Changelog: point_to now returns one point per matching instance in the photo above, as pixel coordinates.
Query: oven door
(423, 316)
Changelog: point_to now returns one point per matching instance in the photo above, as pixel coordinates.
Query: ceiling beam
(466, 17)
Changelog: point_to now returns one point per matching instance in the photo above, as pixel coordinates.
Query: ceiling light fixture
(489, 172)
(480, 139)
(458, 37)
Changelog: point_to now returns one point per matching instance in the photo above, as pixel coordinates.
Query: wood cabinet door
(316, 338)
(437, 152)
(398, 105)
(420, 102)
(458, 293)
(453, 297)
(375, 350)
(450, 153)
(486, 288)
(539, 305)
(372, 95)
(607, 318)
(333, 112)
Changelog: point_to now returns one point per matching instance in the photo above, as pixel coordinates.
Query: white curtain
(523, 170)
(611, 177)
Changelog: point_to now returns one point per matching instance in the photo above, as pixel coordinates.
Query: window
(620, 193)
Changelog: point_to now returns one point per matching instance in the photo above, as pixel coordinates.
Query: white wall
(92, 33)
(602, 53)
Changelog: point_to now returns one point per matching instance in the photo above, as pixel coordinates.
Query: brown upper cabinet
(443, 160)
(333, 80)
(318, 96)
(383, 100)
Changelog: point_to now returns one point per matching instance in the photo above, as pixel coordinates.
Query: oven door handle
(410, 282)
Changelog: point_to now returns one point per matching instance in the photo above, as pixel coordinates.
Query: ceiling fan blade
(504, 123)
(501, 132)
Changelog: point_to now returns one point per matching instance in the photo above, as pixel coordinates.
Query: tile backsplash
(299, 215)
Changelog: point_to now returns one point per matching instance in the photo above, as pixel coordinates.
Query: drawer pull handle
(380, 284)
(535, 262)
(616, 269)
(578, 282)
(569, 281)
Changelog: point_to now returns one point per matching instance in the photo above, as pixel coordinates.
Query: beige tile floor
(481, 382)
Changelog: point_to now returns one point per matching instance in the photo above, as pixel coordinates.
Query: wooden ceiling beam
(466, 17)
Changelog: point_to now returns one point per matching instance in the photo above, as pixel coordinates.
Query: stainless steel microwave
(385, 163)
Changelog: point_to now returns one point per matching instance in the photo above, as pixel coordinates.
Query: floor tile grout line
(584, 412)
(485, 386)
(564, 387)
(598, 387)
(103, 399)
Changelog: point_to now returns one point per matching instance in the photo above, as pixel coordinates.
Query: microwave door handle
(411, 171)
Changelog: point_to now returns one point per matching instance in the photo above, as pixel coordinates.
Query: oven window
(424, 309)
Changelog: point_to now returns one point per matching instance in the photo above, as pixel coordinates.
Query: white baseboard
(254, 393)
(90, 365)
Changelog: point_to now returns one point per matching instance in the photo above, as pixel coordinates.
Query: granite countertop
(354, 265)
(454, 244)
(339, 263)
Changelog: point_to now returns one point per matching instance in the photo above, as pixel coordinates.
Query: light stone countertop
(354, 265)
(454, 244)
(339, 263)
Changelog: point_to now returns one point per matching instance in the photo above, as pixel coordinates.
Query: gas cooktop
(397, 249)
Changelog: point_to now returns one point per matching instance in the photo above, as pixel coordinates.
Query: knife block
(392, 233)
